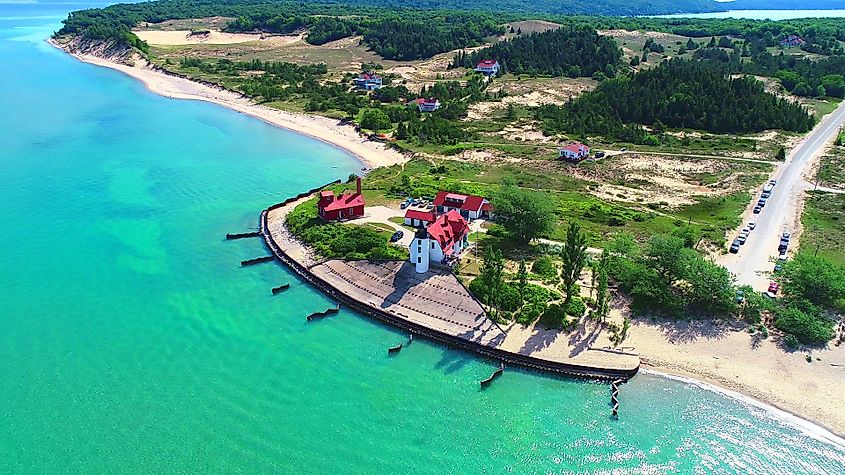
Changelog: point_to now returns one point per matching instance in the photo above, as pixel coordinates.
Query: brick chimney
(358, 184)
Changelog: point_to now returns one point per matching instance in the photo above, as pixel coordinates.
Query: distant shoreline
(369, 153)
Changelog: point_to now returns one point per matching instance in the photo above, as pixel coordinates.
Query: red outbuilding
(346, 206)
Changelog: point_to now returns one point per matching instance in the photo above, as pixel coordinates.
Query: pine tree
(522, 279)
(574, 255)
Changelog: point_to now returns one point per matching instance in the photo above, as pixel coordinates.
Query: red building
(346, 206)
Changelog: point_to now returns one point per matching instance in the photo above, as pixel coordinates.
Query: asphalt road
(781, 211)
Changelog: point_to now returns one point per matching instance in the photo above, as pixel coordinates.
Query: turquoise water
(763, 14)
(131, 341)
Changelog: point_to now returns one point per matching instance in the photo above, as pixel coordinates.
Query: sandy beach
(372, 154)
(731, 358)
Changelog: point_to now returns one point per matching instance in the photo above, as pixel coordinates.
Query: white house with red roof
(419, 218)
(368, 81)
(793, 40)
(488, 67)
(445, 238)
(347, 205)
(468, 206)
(428, 105)
(575, 151)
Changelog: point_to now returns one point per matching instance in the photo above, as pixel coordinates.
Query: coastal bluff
(437, 306)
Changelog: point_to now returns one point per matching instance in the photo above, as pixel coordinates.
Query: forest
(677, 94)
(569, 51)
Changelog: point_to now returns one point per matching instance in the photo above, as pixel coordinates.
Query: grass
(822, 107)
(824, 226)
(832, 168)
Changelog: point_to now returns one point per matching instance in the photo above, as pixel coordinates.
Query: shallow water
(131, 341)
(763, 14)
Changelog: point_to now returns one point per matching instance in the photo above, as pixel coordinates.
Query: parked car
(777, 268)
(767, 188)
(766, 194)
(396, 236)
(735, 246)
(403, 205)
(623, 149)
(773, 182)
(773, 287)
(782, 257)
(742, 238)
(752, 225)
(785, 236)
(782, 247)
(761, 202)
(599, 154)
(769, 294)
(757, 209)
(740, 296)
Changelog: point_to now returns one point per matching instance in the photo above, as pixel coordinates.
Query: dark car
(757, 209)
(784, 236)
(735, 246)
(761, 202)
(396, 236)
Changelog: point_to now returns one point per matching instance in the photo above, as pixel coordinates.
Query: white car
(782, 257)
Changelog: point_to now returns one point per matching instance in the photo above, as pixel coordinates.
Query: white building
(489, 67)
(468, 206)
(447, 236)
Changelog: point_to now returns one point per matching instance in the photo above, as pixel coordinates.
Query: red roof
(344, 201)
(448, 229)
(430, 100)
(576, 147)
(487, 63)
(421, 215)
(457, 200)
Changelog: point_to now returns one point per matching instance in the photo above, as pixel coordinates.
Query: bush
(554, 317)
(375, 119)
(545, 268)
(806, 326)
(576, 308)
(509, 297)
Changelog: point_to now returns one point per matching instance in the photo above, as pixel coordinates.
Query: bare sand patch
(186, 37)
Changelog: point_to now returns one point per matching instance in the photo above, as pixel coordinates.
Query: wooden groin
(280, 289)
(324, 313)
(494, 375)
(524, 361)
(257, 260)
(395, 349)
(231, 236)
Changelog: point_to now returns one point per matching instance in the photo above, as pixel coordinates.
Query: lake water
(763, 14)
(131, 341)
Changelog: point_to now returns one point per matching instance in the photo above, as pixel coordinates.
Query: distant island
(667, 187)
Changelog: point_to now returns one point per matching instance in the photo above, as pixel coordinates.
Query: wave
(806, 427)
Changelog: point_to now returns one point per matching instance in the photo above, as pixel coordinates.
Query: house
(346, 206)
(792, 40)
(468, 206)
(444, 239)
(368, 81)
(419, 218)
(489, 67)
(575, 151)
(428, 105)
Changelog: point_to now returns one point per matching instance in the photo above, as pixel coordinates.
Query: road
(782, 209)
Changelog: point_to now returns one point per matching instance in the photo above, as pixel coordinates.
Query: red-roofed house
(346, 206)
(488, 67)
(428, 105)
(419, 218)
(792, 40)
(469, 206)
(445, 238)
(368, 81)
(575, 151)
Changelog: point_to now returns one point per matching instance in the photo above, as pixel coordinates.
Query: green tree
(401, 131)
(805, 324)
(375, 119)
(490, 274)
(602, 306)
(812, 278)
(574, 255)
(781, 154)
(668, 256)
(524, 214)
(710, 287)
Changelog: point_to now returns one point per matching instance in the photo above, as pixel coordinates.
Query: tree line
(678, 94)
(571, 51)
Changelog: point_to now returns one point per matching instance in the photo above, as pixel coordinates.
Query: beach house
(347, 205)
(444, 239)
(489, 67)
(428, 105)
(368, 81)
(419, 218)
(575, 151)
(792, 40)
(468, 206)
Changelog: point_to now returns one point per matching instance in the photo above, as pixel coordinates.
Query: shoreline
(370, 154)
(374, 154)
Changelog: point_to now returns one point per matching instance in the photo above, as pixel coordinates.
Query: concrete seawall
(451, 340)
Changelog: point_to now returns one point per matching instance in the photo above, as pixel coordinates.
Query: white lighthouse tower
(420, 249)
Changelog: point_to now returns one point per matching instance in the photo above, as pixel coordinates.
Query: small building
(428, 105)
(419, 218)
(489, 67)
(575, 151)
(468, 206)
(793, 40)
(444, 239)
(368, 81)
(346, 206)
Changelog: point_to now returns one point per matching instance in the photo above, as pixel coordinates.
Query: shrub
(576, 308)
(545, 268)
(806, 326)
(554, 317)
(375, 119)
